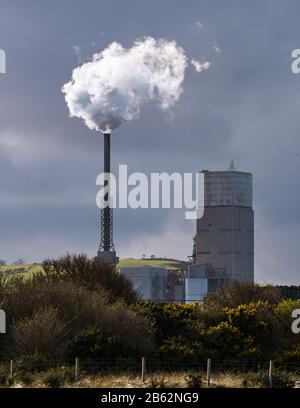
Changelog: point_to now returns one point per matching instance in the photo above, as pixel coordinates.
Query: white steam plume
(111, 88)
(200, 66)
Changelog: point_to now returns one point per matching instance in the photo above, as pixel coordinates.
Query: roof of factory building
(231, 169)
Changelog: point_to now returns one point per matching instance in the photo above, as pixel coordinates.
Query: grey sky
(244, 107)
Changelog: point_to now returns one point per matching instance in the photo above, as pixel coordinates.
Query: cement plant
(149, 203)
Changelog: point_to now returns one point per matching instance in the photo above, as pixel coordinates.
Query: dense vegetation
(80, 307)
(257, 331)
(75, 307)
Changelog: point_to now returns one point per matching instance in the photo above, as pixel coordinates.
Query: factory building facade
(225, 233)
(203, 279)
(148, 281)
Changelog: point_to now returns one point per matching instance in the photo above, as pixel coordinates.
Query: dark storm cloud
(245, 107)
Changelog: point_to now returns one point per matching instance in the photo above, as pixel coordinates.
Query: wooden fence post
(143, 368)
(270, 374)
(11, 372)
(208, 371)
(76, 368)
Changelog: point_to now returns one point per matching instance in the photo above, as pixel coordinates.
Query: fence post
(143, 368)
(11, 372)
(208, 371)
(76, 368)
(270, 374)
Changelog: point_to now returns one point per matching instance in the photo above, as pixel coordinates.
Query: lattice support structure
(106, 248)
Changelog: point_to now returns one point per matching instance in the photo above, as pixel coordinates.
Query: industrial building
(148, 281)
(223, 245)
(180, 286)
(225, 233)
(203, 279)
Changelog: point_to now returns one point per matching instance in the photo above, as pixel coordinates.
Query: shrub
(239, 293)
(57, 318)
(43, 333)
(286, 339)
(117, 332)
(5, 379)
(28, 367)
(181, 348)
(291, 357)
(51, 379)
(156, 382)
(92, 273)
(223, 340)
(26, 378)
(255, 321)
(167, 320)
(194, 381)
(280, 379)
(32, 363)
(57, 377)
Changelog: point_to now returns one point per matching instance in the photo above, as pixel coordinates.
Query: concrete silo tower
(225, 233)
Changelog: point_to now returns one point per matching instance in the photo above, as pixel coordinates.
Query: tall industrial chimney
(106, 248)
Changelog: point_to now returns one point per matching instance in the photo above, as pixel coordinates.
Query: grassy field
(160, 262)
(29, 269)
(21, 269)
(158, 380)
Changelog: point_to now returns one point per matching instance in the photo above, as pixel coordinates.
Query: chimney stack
(106, 248)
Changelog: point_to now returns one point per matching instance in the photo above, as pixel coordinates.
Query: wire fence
(148, 367)
(155, 366)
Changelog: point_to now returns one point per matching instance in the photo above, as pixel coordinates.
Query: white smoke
(200, 66)
(111, 88)
(78, 53)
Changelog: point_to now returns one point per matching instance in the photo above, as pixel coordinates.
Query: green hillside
(20, 269)
(29, 269)
(159, 262)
